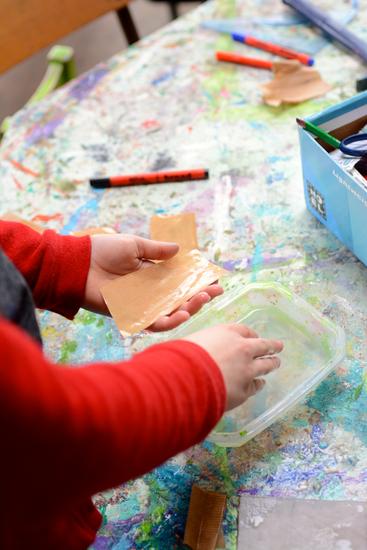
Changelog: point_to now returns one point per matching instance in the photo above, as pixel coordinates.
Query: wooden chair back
(29, 25)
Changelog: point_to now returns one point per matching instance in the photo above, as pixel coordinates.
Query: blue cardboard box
(333, 195)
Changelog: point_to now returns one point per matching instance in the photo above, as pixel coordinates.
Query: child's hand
(241, 356)
(116, 255)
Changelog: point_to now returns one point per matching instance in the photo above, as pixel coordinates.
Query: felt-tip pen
(273, 48)
(230, 57)
(153, 177)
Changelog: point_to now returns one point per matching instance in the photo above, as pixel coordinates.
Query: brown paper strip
(293, 83)
(221, 543)
(136, 300)
(180, 229)
(204, 520)
(94, 231)
(10, 217)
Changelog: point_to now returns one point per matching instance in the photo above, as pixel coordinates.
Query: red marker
(146, 179)
(273, 48)
(242, 60)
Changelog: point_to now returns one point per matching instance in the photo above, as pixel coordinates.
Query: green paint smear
(155, 512)
(102, 511)
(145, 530)
(65, 186)
(88, 318)
(221, 111)
(225, 9)
(358, 391)
(362, 386)
(67, 348)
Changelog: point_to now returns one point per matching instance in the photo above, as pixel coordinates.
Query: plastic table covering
(164, 104)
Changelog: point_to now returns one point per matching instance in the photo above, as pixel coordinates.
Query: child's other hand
(241, 356)
(116, 255)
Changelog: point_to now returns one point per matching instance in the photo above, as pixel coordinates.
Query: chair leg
(128, 25)
(173, 10)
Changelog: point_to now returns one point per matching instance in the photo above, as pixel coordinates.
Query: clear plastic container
(313, 347)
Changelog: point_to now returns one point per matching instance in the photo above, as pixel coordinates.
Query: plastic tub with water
(313, 347)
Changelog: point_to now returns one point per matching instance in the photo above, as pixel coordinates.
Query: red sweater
(67, 433)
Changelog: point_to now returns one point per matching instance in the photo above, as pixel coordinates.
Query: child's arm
(55, 267)
(66, 272)
(70, 432)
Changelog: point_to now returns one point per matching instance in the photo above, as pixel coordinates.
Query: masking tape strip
(204, 520)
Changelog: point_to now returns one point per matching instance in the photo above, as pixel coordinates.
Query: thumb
(155, 250)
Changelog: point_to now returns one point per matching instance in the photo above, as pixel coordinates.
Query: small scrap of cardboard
(293, 83)
(180, 229)
(94, 231)
(10, 217)
(138, 299)
(203, 529)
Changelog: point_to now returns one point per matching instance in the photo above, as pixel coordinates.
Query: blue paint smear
(273, 177)
(277, 158)
(163, 77)
(335, 398)
(256, 125)
(123, 544)
(86, 83)
(91, 205)
(40, 132)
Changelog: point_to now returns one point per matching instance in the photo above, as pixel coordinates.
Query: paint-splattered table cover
(166, 104)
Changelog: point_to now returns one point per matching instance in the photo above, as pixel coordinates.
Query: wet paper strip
(180, 229)
(138, 299)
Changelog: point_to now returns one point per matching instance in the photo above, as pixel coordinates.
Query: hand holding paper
(117, 255)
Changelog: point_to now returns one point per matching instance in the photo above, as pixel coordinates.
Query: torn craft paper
(293, 83)
(180, 229)
(138, 299)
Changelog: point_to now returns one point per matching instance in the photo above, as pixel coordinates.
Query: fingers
(244, 331)
(258, 385)
(193, 305)
(213, 290)
(261, 346)
(169, 322)
(155, 250)
(264, 365)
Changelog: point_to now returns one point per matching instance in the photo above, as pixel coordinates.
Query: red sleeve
(72, 432)
(54, 266)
